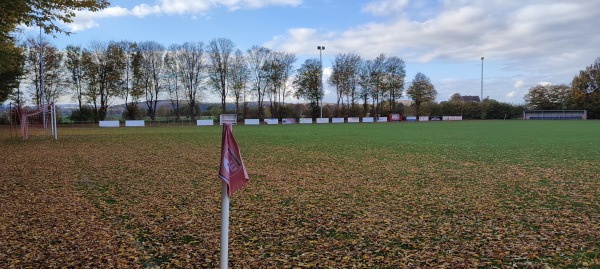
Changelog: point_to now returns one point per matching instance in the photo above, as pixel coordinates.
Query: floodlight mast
(321, 48)
(481, 79)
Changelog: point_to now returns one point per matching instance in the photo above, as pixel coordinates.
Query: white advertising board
(322, 120)
(305, 120)
(134, 123)
(353, 119)
(368, 119)
(228, 118)
(288, 121)
(452, 118)
(251, 121)
(272, 121)
(109, 123)
(204, 122)
(337, 120)
(423, 118)
(382, 119)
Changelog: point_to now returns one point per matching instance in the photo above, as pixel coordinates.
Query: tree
(132, 91)
(153, 73)
(307, 83)
(548, 97)
(344, 77)
(279, 69)
(104, 67)
(187, 64)
(586, 90)
(53, 75)
(12, 59)
(257, 61)
(43, 13)
(239, 78)
(421, 91)
(395, 73)
(74, 64)
(219, 53)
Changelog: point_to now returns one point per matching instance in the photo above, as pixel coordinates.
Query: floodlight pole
(321, 48)
(482, 79)
(43, 91)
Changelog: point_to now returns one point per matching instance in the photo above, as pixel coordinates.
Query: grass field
(473, 194)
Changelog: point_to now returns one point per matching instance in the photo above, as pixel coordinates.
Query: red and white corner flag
(232, 171)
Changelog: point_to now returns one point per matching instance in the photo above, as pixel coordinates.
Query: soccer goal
(554, 114)
(38, 121)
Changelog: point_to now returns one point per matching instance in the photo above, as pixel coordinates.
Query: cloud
(512, 94)
(519, 84)
(385, 7)
(86, 20)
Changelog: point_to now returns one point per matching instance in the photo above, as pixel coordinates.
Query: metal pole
(43, 101)
(224, 226)
(482, 79)
(321, 48)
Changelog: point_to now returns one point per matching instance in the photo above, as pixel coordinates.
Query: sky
(524, 43)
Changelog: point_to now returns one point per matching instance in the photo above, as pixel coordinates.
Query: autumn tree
(394, 76)
(548, 97)
(586, 90)
(186, 64)
(239, 79)
(344, 77)
(307, 83)
(52, 74)
(131, 88)
(220, 53)
(31, 13)
(279, 69)
(74, 65)
(258, 58)
(421, 91)
(104, 67)
(153, 73)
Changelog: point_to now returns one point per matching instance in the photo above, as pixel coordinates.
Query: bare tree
(75, 67)
(219, 53)
(132, 91)
(395, 74)
(187, 64)
(153, 73)
(308, 83)
(257, 61)
(53, 71)
(239, 78)
(279, 68)
(344, 77)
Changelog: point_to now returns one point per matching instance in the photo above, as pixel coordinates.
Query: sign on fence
(382, 119)
(251, 121)
(411, 118)
(305, 120)
(272, 121)
(395, 117)
(322, 120)
(423, 118)
(353, 119)
(337, 120)
(367, 119)
(452, 118)
(435, 118)
(288, 121)
(134, 123)
(109, 123)
(204, 122)
(228, 118)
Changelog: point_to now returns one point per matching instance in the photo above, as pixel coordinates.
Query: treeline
(582, 94)
(139, 74)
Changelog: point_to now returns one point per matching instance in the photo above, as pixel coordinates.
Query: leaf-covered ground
(424, 195)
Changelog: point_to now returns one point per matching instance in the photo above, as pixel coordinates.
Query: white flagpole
(224, 225)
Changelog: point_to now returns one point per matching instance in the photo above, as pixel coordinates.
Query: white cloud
(385, 7)
(86, 19)
(545, 83)
(519, 84)
(512, 94)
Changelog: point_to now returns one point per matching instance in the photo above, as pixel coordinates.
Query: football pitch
(470, 194)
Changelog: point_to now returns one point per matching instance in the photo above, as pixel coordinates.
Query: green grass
(453, 194)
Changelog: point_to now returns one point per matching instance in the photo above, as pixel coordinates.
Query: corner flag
(232, 171)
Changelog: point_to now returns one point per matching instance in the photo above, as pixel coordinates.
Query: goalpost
(38, 121)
